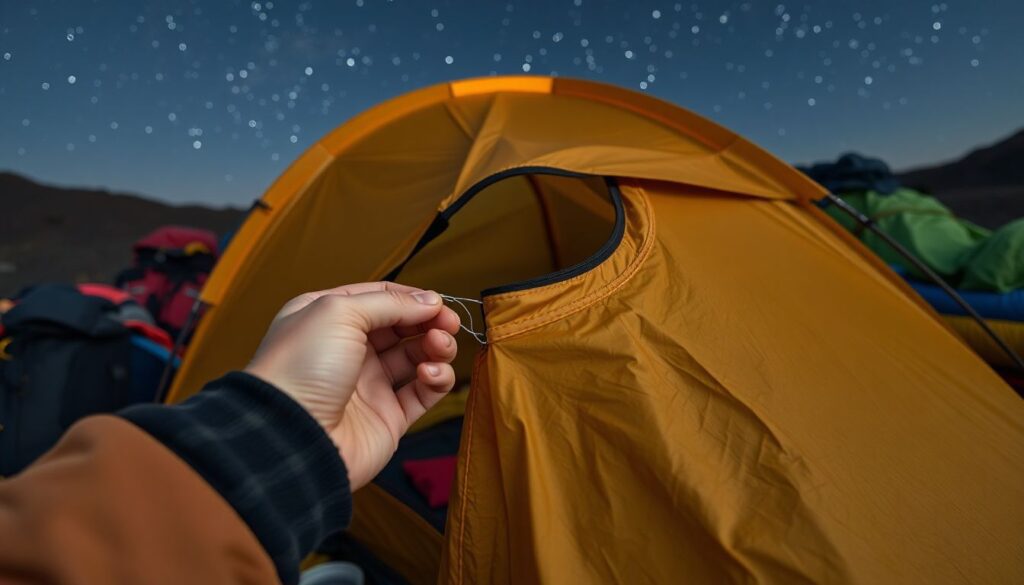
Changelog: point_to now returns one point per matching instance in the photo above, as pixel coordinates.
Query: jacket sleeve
(235, 485)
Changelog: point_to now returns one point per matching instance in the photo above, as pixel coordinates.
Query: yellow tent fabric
(690, 373)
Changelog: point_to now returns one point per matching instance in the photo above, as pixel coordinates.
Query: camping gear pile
(687, 370)
(986, 267)
(68, 351)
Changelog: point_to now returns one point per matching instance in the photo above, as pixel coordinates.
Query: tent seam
(465, 477)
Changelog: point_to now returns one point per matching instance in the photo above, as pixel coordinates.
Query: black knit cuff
(266, 456)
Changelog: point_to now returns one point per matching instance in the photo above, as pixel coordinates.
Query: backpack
(129, 313)
(171, 266)
(63, 356)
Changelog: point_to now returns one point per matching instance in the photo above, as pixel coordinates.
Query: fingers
(433, 381)
(303, 300)
(382, 339)
(447, 320)
(376, 310)
(400, 361)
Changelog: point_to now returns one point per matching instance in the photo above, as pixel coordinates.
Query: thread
(479, 336)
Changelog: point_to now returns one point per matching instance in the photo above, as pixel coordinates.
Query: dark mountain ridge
(985, 186)
(50, 234)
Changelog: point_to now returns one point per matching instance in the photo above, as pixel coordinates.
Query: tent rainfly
(690, 371)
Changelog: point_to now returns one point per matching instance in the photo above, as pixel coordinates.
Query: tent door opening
(519, 229)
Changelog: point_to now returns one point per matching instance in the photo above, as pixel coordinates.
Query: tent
(690, 371)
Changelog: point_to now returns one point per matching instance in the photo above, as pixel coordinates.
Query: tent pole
(870, 224)
(165, 378)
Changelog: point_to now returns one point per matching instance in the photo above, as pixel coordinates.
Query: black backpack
(64, 356)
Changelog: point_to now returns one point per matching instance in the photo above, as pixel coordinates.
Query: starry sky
(209, 100)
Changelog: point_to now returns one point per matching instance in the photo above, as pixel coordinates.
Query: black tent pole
(870, 224)
(186, 329)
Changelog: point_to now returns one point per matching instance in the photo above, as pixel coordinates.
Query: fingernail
(434, 370)
(427, 297)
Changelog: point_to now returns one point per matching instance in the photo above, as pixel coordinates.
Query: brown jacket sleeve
(110, 504)
(235, 485)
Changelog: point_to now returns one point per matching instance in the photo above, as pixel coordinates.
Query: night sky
(210, 100)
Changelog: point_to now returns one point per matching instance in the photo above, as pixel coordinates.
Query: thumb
(376, 310)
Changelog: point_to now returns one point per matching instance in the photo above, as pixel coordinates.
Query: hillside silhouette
(985, 186)
(54, 234)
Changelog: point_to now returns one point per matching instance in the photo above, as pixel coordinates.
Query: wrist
(266, 456)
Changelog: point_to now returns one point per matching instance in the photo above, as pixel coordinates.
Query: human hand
(366, 361)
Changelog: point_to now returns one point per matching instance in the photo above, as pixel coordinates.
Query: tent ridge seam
(459, 122)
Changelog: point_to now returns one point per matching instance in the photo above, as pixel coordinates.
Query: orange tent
(690, 372)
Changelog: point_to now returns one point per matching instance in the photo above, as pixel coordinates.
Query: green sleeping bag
(998, 263)
(920, 223)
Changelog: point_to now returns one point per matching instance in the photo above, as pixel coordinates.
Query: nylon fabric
(764, 447)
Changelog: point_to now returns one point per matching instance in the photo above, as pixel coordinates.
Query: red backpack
(171, 266)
